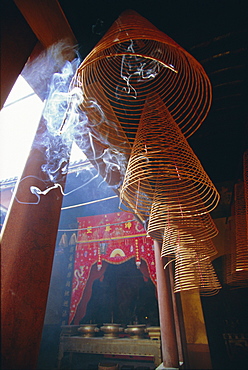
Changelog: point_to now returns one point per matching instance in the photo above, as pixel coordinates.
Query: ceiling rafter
(47, 20)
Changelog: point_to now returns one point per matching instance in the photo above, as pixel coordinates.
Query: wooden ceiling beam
(23, 22)
(47, 21)
(17, 43)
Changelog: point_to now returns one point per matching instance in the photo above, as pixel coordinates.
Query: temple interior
(134, 255)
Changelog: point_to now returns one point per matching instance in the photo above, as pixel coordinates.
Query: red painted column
(178, 319)
(27, 250)
(175, 314)
(166, 315)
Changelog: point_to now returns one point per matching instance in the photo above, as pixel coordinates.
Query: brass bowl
(88, 330)
(111, 330)
(136, 331)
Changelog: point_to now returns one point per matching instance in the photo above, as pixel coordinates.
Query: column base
(162, 367)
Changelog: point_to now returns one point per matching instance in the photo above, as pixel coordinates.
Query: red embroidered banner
(114, 238)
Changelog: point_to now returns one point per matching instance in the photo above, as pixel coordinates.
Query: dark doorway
(123, 296)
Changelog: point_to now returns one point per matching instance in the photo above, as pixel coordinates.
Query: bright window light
(19, 120)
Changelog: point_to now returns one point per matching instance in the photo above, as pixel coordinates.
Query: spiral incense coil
(245, 165)
(194, 271)
(174, 239)
(163, 163)
(236, 272)
(104, 125)
(194, 228)
(241, 252)
(237, 279)
(140, 204)
(133, 60)
(231, 256)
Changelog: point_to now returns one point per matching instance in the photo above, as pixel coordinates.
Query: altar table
(110, 346)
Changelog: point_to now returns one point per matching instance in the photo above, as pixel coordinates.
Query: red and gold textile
(114, 238)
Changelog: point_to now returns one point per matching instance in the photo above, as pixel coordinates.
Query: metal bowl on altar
(136, 331)
(88, 330)
(111, 330)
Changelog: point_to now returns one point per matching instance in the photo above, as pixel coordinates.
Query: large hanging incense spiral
(133, 60)
(237, 256)
(193, 270)
(174, 238)
(191, 229)
(163, 166)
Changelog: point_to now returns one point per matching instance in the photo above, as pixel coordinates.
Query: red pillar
(175, 314)
(27, 250)
(166, 315)
(178, 319)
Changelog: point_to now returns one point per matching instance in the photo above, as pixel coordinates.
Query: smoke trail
(133, 65)
(61, 108)
(65, 123)
(51, 76)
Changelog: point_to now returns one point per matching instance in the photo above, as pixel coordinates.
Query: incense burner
(88, 330)
(136, 331)
(111, 330)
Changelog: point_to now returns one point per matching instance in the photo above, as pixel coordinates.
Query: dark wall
(226, 322)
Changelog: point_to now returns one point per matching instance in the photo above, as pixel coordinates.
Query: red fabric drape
(114, 238)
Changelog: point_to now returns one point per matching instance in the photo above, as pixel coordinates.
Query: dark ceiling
(215, 33)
